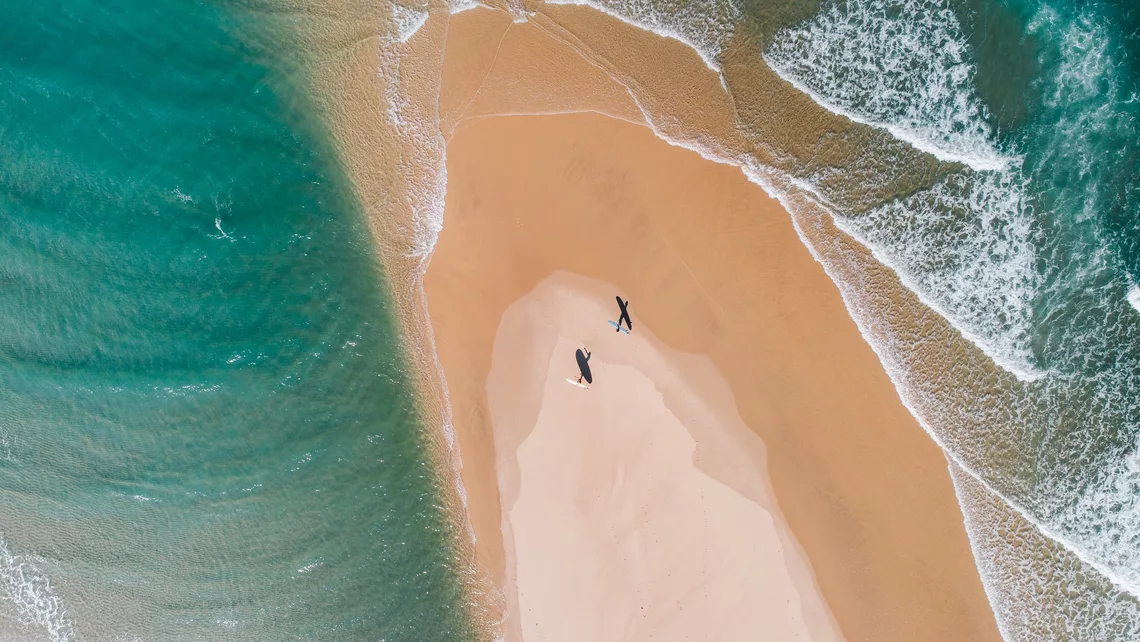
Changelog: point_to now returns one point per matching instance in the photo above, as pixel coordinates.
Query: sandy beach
(713, 267)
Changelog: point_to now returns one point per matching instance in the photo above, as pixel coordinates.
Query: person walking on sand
(624, 307)
(583, 360)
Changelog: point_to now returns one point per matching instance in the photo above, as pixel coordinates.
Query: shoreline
(345, 42)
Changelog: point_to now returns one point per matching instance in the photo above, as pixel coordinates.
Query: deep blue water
(206, 430)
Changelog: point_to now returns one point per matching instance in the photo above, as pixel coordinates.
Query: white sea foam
(406, 21)
(459, 6)
(222, 233)
(309, 567)
(1101, 521)
(705, 27)
(965, 247)
(27, 589)
(900, 65)
(1134, 297)
(1105, 520)
(1038, 590)
(1082, 150)
(1084, 63)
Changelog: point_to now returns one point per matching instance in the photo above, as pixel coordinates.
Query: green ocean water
(206, 430)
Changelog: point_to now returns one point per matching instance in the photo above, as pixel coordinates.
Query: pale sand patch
(638, 509)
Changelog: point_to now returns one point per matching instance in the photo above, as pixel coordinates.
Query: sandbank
(713, 267)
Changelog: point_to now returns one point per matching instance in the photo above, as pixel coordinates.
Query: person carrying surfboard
(583, 360)
(624, 306)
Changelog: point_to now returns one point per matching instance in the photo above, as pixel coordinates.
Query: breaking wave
(1039, 590)
(899, 66)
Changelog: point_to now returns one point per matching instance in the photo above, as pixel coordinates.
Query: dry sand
(638, 509)
(712, 266)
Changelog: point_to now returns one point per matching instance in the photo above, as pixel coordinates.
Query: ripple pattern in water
(206, 431)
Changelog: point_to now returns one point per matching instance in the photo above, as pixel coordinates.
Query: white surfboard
(617, 326)
(575, 383)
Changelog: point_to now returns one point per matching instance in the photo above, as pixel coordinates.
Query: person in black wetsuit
(624, 305)
(583, 360)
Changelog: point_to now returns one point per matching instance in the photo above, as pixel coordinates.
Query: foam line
(416, 120)
(645, 17)
(31, 593)
(902, 68)
(979, 163)
(1038, 590)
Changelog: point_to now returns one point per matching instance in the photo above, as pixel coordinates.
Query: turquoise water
(206, 431)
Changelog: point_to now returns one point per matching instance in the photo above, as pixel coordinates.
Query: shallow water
(206, 430)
